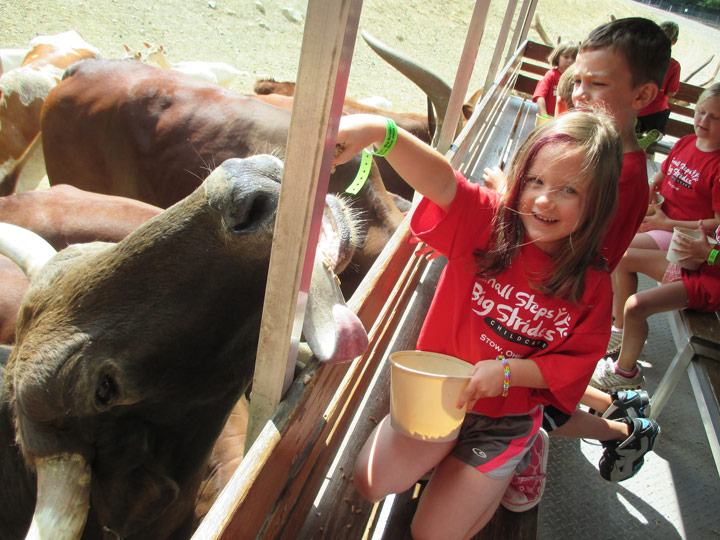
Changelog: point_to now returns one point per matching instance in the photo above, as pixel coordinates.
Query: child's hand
(495, 179)
(355, 132)
(655, 222)
(486, 381)
(695, 250)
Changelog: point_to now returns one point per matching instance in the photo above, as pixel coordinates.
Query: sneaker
(605, 378)
(526, 488)
(615, 343)
(628, 403)
(621, 460)
(649, 138)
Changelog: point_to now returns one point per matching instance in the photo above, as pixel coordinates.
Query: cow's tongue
(333, 332)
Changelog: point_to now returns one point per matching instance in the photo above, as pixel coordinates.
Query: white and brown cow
(22, 93)
(130, 357)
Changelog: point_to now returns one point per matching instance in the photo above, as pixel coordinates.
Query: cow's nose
(246, 192)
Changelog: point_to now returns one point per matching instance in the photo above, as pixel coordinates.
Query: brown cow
(122, 127)
(130, 356)
(22, 93)
(62, 215)
(14, 285)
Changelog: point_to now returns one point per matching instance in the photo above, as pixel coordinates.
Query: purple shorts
(496, 446)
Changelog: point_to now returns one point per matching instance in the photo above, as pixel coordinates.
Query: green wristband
(713, 255)
(391, 134)
(362, 174)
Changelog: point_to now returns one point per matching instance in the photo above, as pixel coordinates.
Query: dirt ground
(256, 35)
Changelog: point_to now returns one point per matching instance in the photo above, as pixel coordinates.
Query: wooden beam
(328, 43)
(519, 29)
(464, 72)
(500, 44)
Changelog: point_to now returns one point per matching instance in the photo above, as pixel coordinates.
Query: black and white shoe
(628, 403)
(623, 459)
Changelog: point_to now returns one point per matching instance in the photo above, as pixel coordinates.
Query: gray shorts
(496, 446)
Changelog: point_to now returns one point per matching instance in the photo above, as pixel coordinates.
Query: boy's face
(602, 77)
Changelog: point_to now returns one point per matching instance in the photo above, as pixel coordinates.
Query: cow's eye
(107, 389)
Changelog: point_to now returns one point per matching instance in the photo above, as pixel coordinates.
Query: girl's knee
(362, 482)
(635, 308)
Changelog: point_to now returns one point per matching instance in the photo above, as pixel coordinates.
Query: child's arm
(660, 221)
(488, 377)
(494, 178)
(425, 169)
(655, 182)
(541, 107)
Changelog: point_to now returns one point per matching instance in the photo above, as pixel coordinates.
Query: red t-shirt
(477, 319)
(547, 88)
(670, 85)
(692, 182)
(633, 195)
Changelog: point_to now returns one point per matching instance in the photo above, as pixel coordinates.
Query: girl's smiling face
(552, 196)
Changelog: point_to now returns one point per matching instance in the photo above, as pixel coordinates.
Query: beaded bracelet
(506, 375)
(391, 134)
(713, 255)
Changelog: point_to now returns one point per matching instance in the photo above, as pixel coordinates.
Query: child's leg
(596, 399)
(390, 462)
(457, 502)
(583, 425)
(637, 309)
(651, 262)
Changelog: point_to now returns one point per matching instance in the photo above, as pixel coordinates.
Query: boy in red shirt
(652, 119)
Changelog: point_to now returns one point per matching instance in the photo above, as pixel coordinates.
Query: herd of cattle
(133, 339)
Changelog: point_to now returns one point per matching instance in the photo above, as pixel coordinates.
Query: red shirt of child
(476, 319)
(671, 85)
(633, 195)
(547, 88)
(692, 182)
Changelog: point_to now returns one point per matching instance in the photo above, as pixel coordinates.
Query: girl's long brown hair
(596, 137)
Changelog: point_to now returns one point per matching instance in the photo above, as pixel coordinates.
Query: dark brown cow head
(130, 356)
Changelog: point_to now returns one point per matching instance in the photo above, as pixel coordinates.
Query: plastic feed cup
(673, 256)
(651, 209)
(424, 391)
(539, 120)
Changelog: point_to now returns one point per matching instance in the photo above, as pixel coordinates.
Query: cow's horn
(437, 90)
(25, 248)
(63, 497)
(333, 332)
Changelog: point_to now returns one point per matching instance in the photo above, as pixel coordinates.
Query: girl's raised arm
(422, 167)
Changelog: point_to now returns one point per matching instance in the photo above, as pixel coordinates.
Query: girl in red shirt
(525, 298)
(545, 95)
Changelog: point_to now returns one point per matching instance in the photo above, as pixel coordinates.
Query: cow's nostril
(254, 214)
